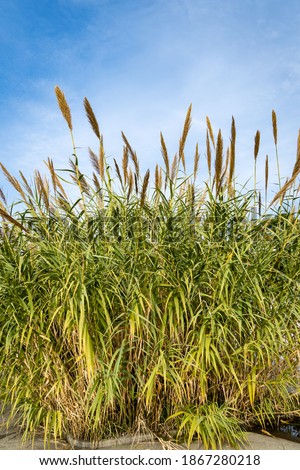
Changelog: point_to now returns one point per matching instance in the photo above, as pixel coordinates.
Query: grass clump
(155, 302)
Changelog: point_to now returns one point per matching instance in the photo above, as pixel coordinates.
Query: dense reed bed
(150, 303)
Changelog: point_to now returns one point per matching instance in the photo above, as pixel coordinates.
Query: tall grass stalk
(256, 150)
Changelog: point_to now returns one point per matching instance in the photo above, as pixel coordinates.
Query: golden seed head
(144, 187)
(26, 184)
(174, 168)
(160, 177)
(227, 160)
(226, 167)
(219, 160)
(118, 171)
(157, 177)
(101, 159)
(274, 125)
(266, 172)
(256, 144)
(136, 165)
(259, 203)
(94, 160)
(136, 184)
(233, 130)
(50, 166)
(210, 130)
(132, 155)
(96, 183)
(125, 163)
(191, 195)
(13, 181)
(130, 183)
(43, 188)
(232, 151)
(64, 107)
(186, 128)
(91, 117)
(2, 197)
(165, 154)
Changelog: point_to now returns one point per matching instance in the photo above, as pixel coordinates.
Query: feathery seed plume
(96, 182)
(118, 172)
(157, 177)
(174, 167)
(26, 184)
(186, 128)
(50, 166)
(94, 160)
(91, 117)
(218, 161)
(130, 183)
(2, 197)
(266, 172)
(136, 183)
(64, 107)
(125, 163)
(165, 155)
(208, 153)
(232, 151)
(210, 130)
(43, 188)
(13, 181)
(101, 158)
(274, 125)
(256, 144)
(226, 165)
(133, 155)
(144, 187)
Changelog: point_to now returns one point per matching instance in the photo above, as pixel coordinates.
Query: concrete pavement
(10, 439)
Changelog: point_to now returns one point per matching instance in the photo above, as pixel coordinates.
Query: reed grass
(232, 158)
(182, 140)
(274, 126)
(266, 179)
(145, 303)
(218, 162)
(256, 150)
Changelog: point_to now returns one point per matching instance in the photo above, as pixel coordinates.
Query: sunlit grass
(150, 300)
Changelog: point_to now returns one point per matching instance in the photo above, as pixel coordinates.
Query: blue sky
(141, 63)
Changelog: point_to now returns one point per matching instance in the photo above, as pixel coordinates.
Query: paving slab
(11, 439)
